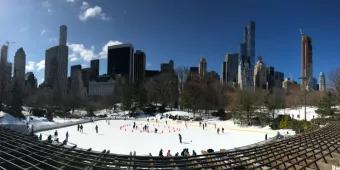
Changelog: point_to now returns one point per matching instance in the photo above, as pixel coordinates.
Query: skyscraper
(4, 54)
(76, 80)
(120, 61)
(56, 62)
(230, 68)
(139, 66)
(94, 69)
(247, 57)
(245, 70)
(19, 67)
(30, 82)
(202, 68)
(250, 41)
(63, 35)
(167, 67)
(306, 62)
(86, 77)
(322, 82)
(260, 75)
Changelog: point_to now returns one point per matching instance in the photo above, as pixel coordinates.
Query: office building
(151, 73)
(4, 54)
(103, 86)
(167, 67)
(202, 68)
(260, 75)
(31, 82)
(77, 88)
(322, 82)
(139, 66)
(120, 61)
(94, 69)
(230, 69)
(19, 68)
(86, 77)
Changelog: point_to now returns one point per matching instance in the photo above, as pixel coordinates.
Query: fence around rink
(319, 149)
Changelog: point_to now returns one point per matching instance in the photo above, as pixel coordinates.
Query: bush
(222, 114)
(49, 116)
(286, 122)
(14, 112)
(38, 112)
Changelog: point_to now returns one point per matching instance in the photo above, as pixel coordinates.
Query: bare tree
(163, 89)
(335, 81)
(182, 74)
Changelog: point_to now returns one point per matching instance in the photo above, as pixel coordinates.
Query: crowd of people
(185, 152)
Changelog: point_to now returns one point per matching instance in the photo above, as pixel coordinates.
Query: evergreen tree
(325, 106)
(16, 101)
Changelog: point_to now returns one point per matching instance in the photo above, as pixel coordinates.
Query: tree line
(179, 89)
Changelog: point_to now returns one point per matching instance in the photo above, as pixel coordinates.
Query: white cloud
(71, 1)
(80, 51)
(30, 66)
(88, 12)
(103, 53)
(47, 5)
(33, 66)
(42, 32)
(40, 65)
(53, 40)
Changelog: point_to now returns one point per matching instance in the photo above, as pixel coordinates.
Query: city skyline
(213, 42)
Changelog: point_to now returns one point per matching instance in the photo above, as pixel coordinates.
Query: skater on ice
(96, 128)
(180, 138)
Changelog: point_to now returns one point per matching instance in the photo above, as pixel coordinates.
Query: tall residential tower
(202, 68)
(322, 82)
(56, 63)
(19, 67)
(306, 63)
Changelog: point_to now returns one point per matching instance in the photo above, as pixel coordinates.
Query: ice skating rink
(120, 137)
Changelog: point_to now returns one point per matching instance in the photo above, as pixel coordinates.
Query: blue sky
(182, 30)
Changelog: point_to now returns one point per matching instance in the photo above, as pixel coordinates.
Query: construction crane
(301, 32)
(8, 43)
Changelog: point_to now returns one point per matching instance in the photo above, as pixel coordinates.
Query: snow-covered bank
(299, 112)
(29, 122)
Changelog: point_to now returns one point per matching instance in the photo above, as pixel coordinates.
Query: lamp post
(305, 94)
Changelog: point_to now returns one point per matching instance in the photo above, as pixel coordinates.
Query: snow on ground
(111, 113)
(37, 122)
(299, 112)
(119, 137)
(179, 113)
(6, 118)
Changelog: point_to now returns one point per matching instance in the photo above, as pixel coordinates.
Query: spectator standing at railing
(67, 136)
(168, 153)
(161, 153)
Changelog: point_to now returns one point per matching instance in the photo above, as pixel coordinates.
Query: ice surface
(119, 137)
